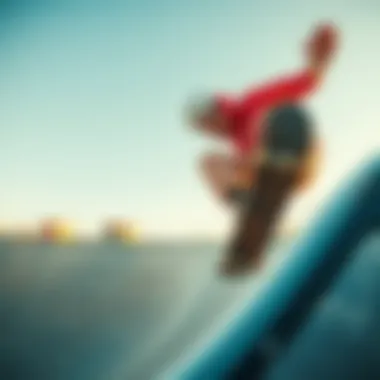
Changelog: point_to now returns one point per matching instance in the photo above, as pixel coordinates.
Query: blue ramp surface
(300, 327)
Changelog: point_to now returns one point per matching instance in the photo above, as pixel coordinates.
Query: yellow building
(56, 230)
(122, 231)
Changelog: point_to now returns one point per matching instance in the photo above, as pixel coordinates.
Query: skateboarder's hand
(322, 46)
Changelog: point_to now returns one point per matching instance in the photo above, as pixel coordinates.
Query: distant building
(56, 230)
(121, 231)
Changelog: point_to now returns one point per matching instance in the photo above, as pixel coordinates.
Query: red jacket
(246, 113)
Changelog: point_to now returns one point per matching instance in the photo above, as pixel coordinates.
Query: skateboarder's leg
(310, 168)
(216, 169)
(228, 178)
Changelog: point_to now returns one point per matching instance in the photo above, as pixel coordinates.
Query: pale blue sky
(91, 95)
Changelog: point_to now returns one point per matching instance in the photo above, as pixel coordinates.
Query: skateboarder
(241, 120)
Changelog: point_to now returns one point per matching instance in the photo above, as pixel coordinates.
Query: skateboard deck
(287, 138)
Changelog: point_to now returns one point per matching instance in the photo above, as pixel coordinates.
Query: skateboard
(287, 139)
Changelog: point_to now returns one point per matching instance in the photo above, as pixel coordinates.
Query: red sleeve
(286, 89)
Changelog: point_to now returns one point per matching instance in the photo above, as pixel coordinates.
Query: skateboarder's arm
(321, 49)
(287, 89)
